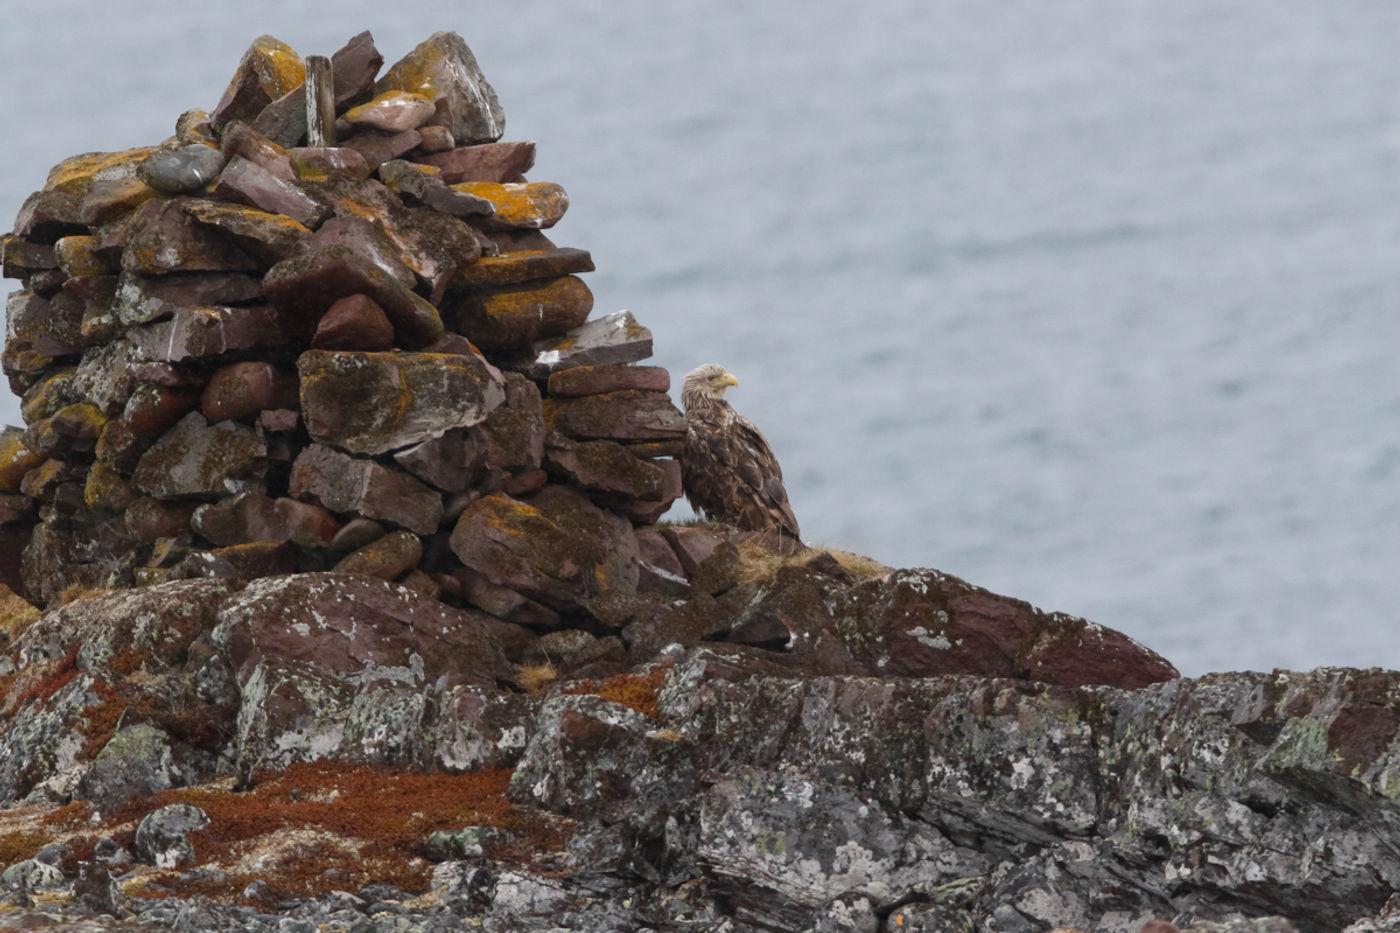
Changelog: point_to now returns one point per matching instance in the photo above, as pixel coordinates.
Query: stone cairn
(242, 355)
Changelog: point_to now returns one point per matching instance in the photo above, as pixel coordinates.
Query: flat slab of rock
(372, 403)
(346, 625)
(557, 547)
(487, 162)
(347, 484)
(523, 265)
(519, 315)
(199, 459)
(627, 415)
(535, 205)
(595, 380)
(604, 466)
(616, 338)
(195, 333)
(163, 237)
(307, 285)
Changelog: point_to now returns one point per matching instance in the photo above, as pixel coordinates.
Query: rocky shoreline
(333, 597)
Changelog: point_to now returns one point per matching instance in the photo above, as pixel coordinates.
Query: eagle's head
(705, 383)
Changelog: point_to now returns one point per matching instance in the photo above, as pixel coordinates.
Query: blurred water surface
(1092, 303)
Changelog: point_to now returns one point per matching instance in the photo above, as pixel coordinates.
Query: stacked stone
(240, 355)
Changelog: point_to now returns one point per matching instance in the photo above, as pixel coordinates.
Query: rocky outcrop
(832, 779)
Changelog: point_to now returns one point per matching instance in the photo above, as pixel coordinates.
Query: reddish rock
(922, 623)
(19, 258)
(557, 547)
(604, 466)
(377, 147)
(661, 570)
(353, 70)
(616, 338)
(378, 402)
(436, 138)
(195, 333)
(388, 558)
(162, 237)
(514, 267)
(242, 180)
(149, 519)
(110, 199)
(106, 376)
(409, 179)
(450, 463)
(692, 545)
(257, 517)
(319, 163)
(369, 240)
(307, 285)
(503, 603)
(595, 380)
(443, 68)
(199, 459)
(519, 315)
(242, 140)
(513, 435)
(142, 299)
(350, 485)
(242, 389)
(392, 111)
(269, 69)
(270, 237)
(47, 215)
(626, 415)
(488, 162)
(79, 256)
(48, 328)
(348, 625)
(530, 205)
(237, 562)
(354, 322)
(153, 410)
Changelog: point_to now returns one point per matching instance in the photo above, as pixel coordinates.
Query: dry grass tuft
(535, 677)
(16, 615)
(758, 563)
(76, 591)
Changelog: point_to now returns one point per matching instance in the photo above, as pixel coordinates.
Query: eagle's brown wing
(729, 473)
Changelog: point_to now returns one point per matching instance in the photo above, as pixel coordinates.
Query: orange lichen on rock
(75, 175)
(16, 460)
(533, 205)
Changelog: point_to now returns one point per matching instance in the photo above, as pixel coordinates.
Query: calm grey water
(1092, 303)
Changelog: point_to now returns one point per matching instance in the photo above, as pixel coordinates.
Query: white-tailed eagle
(727, 468)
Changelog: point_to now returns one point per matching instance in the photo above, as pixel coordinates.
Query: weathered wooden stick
(320, 102)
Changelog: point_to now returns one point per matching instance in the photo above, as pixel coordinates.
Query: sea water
(1093, 303)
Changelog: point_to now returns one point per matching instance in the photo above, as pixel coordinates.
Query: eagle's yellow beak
(728, 379)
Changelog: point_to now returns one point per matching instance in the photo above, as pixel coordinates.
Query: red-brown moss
(635, 691)
(376, 823)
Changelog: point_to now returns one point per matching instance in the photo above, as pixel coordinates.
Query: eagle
(728, 471)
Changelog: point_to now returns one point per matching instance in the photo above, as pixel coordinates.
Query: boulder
(350, 485)
(555, 547)
(201, 460)
(519, 315)
(444, 68)
(616, 338)
(625, 415)
(493, 162)
(371, 403)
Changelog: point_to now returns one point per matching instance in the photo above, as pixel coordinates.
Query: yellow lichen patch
(534, 205)
(278, 67)
(106, 489)
(758, 562)
(635, 691)
(16, 460)
(48, 396)
(75, 174)
(77, 256)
